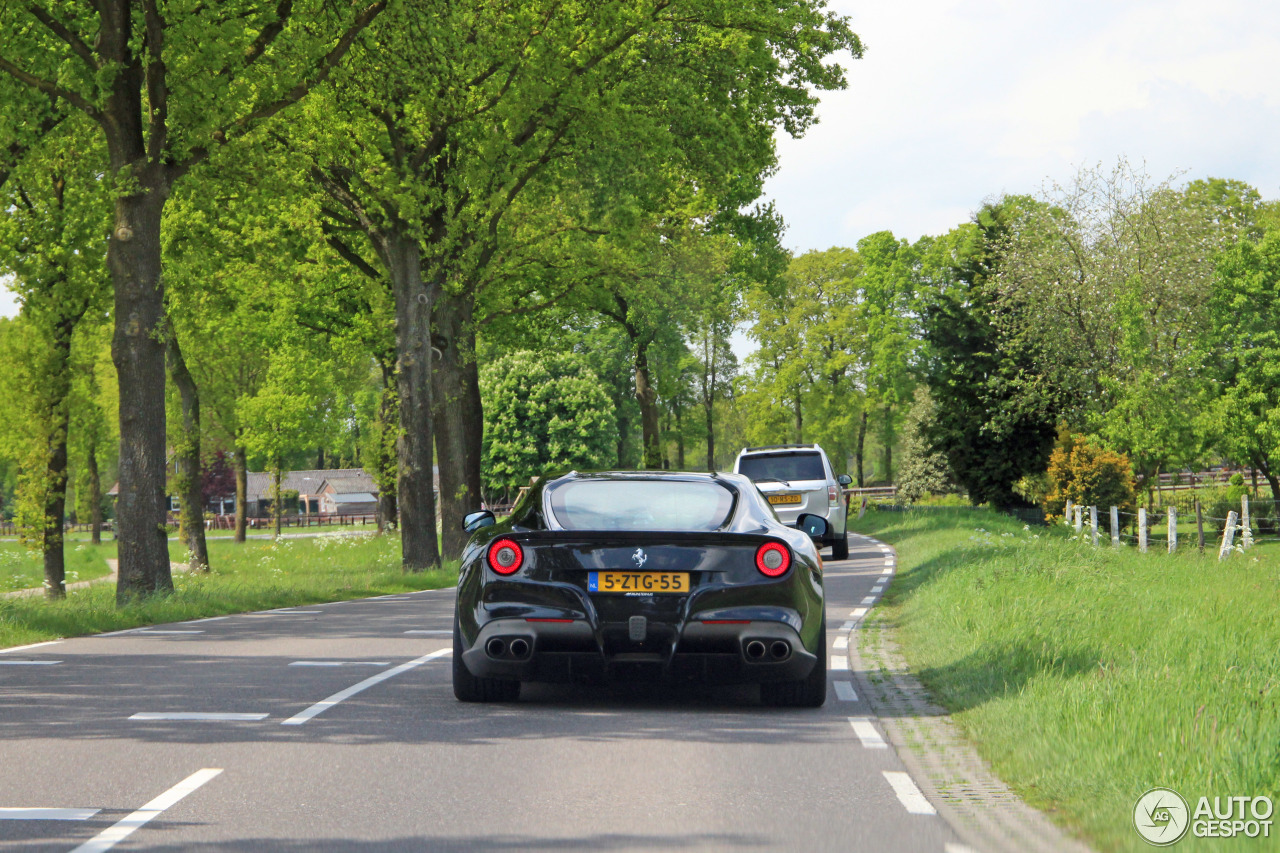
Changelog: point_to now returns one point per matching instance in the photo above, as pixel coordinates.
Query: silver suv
(798, 478)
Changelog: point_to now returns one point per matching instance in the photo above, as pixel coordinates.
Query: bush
(1089, 474)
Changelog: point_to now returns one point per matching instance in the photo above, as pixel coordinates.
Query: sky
(956, 102)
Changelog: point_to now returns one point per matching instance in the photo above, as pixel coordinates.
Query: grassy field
(1089, 676)
(257, 575)
(21, 568)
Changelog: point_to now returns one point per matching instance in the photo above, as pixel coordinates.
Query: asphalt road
(345, 735)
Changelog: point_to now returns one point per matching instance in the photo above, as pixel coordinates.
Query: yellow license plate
(638, 581)
(784, 499)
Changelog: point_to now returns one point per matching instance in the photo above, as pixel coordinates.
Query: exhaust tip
(755, 650)
(780, 650)
(495, 648)
(519, 648)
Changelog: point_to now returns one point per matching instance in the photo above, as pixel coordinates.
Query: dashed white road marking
(908, 794)
(839, 663)
(870, 599)
(431, 631)
(113, 835)
(47, 814)
(196, 716)
(341, 663)
(858, 612)
(325, 704)
(4, 662)
(841, 643)
(887, 572)
(845, 692)
(888, 561)
(867, 733)
(29, 646)
(952, 847)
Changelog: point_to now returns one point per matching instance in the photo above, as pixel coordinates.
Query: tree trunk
(384, 461)
(799, 422)
(458, 417)
(647, 397)
(887, 436)
(320, 458)
(95, 492)
(240, 463)
(138, 351)
(54, 503)
(679, 437)
(277, 502)
(186, 454)
(860, 451)
(414, 298)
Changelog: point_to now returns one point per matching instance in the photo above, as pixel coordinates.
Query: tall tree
(161, 93)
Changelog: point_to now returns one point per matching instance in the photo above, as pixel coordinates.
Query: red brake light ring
(505, 544)
(780, 569)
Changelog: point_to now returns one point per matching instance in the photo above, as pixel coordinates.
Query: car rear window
(641, 505)
(782, 466)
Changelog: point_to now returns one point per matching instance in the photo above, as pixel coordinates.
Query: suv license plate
(784, 499)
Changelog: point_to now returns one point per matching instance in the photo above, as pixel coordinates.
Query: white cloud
(957, 102)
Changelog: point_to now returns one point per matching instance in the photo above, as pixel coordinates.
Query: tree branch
(17, 150)
(50, 88)
(284, 9)
(62, 31)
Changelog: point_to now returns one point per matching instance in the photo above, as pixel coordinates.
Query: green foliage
(923, 470)
(1088, 474)
(543, 413)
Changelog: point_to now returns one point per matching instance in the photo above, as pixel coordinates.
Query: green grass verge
(1088, 676)
(256, 575)
(21, 568)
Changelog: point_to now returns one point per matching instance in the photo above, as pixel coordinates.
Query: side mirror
(474, 521)
(814, 525)
(844, 479)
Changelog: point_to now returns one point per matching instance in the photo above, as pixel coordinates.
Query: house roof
(354, 498)
(341, 483)
(306, 482)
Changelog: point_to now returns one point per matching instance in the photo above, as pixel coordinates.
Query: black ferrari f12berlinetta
(627, 576)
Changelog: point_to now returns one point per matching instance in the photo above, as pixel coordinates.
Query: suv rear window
(641, 505)
(783, 466)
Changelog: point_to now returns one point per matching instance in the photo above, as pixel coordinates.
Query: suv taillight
(833, 496)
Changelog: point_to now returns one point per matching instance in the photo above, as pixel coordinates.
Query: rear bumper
(698, 651)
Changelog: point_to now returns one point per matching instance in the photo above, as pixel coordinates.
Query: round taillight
(773, 559)
(505, 556)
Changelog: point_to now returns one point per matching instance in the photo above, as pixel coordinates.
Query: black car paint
(725, 586)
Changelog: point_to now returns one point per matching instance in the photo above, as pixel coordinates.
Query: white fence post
(1246, 531)
(1093, 525)
(1066, 513)
(1142, 529)
(1173, 529)
(1115, 525)
(1079, 518)
(1228, 535)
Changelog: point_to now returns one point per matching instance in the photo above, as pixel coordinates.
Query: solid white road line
(196, 716)
(47, 814)
(840, 643)
(341, 663)
(324, 705)
(154, 631)
(858, 612)
(845, 692)
(908, 793)
(867, 733)
(870, 599)
(839, 663)
(431, 631)
(206, 619)
(113, 835)
(28, 662)
(30, 646)
(288, 612)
